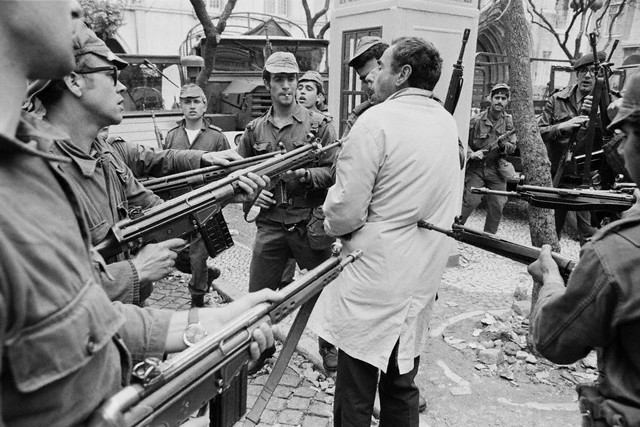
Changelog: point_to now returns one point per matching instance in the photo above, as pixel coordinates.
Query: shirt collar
(409, 91)
(87, 163)
(33, 136)
(297, 114)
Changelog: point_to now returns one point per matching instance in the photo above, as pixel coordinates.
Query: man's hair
(422, 56)
(374, 52)
(266, 76)
(504, 92)
(53, 93)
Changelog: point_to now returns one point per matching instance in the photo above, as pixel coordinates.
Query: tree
(312, 20)
(535, 160)
(104, 17)
(212, 34)
(583, 11)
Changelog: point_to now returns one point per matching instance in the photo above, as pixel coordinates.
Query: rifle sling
(299, 324)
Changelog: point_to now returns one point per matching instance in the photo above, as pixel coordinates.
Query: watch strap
(193, 316)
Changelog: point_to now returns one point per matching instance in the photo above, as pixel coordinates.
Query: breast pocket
(262, 147)
(63, 342)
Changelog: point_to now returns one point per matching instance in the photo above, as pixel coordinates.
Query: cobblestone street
(481, 283)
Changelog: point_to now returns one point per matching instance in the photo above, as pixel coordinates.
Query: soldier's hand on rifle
(220, 158)
(302, 175)
(251, 184)
(477, 155)
(573, 123)
(587, 103)
(265, 200)
(545, 269)
(156, 260)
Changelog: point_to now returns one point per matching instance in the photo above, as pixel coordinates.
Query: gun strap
(253, 417)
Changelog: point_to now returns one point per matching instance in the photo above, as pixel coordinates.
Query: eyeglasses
(585, 70)
(112, 68)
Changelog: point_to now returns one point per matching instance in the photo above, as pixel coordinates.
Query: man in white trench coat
(398, 165)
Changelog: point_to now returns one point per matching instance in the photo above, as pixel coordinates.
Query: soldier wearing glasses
(562, 122)
(80, 104)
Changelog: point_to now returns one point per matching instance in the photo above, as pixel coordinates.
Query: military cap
(191, 90)
(313, 76)
(587, 59)
(630, 103)
(500, 86)
(85, 42)
(364, 44)
(281, 62)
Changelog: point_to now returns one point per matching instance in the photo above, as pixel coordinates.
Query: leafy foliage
(104, 17)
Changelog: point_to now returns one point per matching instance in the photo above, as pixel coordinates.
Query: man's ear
(73, 83)
(403, 77)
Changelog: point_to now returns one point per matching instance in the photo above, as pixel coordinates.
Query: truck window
(151, 87)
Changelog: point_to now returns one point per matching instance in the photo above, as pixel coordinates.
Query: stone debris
(499, 344)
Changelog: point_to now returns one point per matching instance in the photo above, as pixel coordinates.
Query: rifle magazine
(227, 408)
(215, 233)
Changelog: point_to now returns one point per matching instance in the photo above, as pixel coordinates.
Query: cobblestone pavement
(480, 282)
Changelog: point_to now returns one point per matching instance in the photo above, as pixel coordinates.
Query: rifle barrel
(521, 253)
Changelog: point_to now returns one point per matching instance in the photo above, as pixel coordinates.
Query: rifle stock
(564, 198)
(521, 253)
(166, 393)
(171, 186)
(189, 213)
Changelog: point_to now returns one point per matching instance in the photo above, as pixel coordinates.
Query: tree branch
(324, 29)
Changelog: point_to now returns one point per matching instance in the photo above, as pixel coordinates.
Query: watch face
(194, 333)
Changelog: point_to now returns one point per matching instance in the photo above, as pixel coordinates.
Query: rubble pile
(498, 344)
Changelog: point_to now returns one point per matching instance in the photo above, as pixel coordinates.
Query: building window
(276, 7)
(614, 13)
(216, 4)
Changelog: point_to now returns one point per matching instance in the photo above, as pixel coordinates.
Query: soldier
(599, 307)
(194, 132)
(364, 60)
(491, 137)
(65, 347)
(311, 94)
(283, 224)
(562, 124)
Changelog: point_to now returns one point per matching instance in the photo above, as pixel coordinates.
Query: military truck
(235, 91)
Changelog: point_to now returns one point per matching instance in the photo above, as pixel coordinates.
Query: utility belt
(598, 412)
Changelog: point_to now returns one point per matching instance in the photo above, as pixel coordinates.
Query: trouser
(194, 261)
(356, 384)
(484, 176)
(275, 244)
(583, 223)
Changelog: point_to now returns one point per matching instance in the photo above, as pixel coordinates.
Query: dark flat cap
(587, 59)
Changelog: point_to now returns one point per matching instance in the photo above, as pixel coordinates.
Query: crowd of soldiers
(72, 323)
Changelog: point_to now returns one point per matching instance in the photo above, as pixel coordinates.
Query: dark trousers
(484, 176)
(356, 384)
(583, 224)
(274, 246)
(193, 260)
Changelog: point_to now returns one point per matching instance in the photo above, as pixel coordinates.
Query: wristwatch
(194, 332)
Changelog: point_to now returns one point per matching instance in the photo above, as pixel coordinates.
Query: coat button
(92, 346)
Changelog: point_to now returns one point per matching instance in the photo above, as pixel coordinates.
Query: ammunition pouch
(318, 238)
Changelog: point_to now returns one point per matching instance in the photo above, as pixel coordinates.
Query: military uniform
(194, 260)
(483, 134)
(145, 161)
(282, 232)
(61, 355)
(600, 308)
(560, 107)
(107, 190)
(210, 138)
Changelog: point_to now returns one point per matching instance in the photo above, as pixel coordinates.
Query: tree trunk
(535, 160)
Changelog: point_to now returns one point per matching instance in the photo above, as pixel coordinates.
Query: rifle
(496, 143)
(563, 198)
(171, 186)
(156, 131)
(166, 393)
(521, 253)
(191, 212)
(455, 84)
